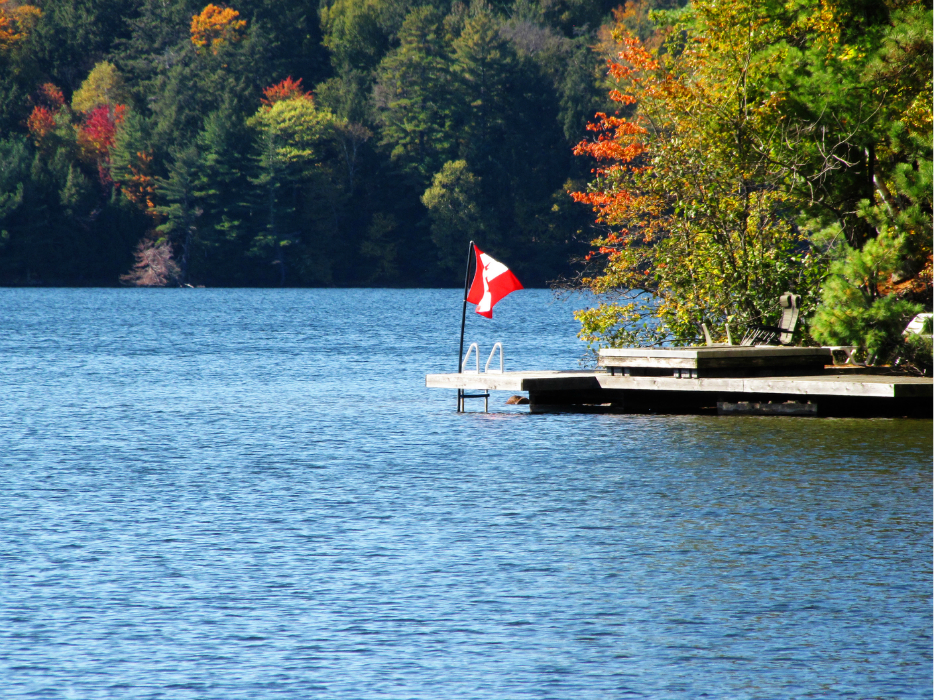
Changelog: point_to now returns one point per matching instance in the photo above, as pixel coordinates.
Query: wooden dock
(832, 392)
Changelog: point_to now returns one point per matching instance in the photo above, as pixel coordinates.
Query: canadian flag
(492, 281)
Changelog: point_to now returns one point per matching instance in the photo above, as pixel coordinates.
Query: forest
(283, 142)
(685, 162)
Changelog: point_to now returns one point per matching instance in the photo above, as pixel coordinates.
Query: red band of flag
(492, 281)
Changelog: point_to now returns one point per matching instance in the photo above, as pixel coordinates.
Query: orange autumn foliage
(16, 23)
(141, 187)
(216, 26)
(49, 102)
(694, 221)
(51, 96)
(287, 89)
(621, 147)
(41, 122)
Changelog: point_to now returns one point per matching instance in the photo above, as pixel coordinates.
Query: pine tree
(485, 66)
(414, 96)
(221, 187)
(182, 207)
(855, 309)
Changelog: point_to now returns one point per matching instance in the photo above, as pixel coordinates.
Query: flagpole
(460, 351)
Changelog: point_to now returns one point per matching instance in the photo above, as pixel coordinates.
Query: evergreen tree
(140, 77)
(222, 187)
(414, 96)
(15, 157)
(485, 66)
(182, 207)
(856, 309)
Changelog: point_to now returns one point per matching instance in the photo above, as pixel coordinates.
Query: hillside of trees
(685, 162)
(279, 142)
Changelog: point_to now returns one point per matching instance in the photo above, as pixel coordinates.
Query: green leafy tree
(295, 146)
(759, 142)
(359, 32)
(855, 102)
(700, 228)
(456, 216)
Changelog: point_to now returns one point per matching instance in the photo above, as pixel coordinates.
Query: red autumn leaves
(93, 132)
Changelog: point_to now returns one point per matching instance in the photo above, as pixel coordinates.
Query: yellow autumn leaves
(215, 26)
(15, 23)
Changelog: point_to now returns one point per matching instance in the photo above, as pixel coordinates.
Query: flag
(492, 281)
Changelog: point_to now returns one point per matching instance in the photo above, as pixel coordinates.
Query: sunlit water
(235, 494)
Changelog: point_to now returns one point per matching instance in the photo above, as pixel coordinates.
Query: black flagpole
(460, 352)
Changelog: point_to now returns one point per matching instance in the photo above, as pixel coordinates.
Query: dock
(698, 381)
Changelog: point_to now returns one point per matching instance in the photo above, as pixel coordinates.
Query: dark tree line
(362, 142)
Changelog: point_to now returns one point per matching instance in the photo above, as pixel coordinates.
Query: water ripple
(249, 494)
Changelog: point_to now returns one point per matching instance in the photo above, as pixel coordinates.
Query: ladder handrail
(476, 354)
(486, 369)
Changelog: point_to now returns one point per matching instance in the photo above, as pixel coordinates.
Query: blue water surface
(232, 494)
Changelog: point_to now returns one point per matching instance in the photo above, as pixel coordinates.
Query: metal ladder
(462, 394)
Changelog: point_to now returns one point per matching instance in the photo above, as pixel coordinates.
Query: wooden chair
(782, 333)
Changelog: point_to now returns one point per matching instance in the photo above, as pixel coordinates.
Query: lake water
(235, 494)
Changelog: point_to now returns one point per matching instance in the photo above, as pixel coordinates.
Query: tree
(222, 189)
(154, 265)
(16, 22)
(358, 33)
(414, 96)
(857, 304)
(456, 217)
(287, 89)
(295, 145)
(182, 207)
(49, 115)
(485, 66)
(856, 140)
(96, 135)
(108, 94)
(72, 35)
(103, 86)
(760, 142)
(699, 226)
(14, 168)
(215, 26)
(131, 166)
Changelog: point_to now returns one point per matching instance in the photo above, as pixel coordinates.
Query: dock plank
(881, 386)
(507, 381)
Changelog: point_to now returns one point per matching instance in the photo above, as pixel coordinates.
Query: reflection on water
(250, 494)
